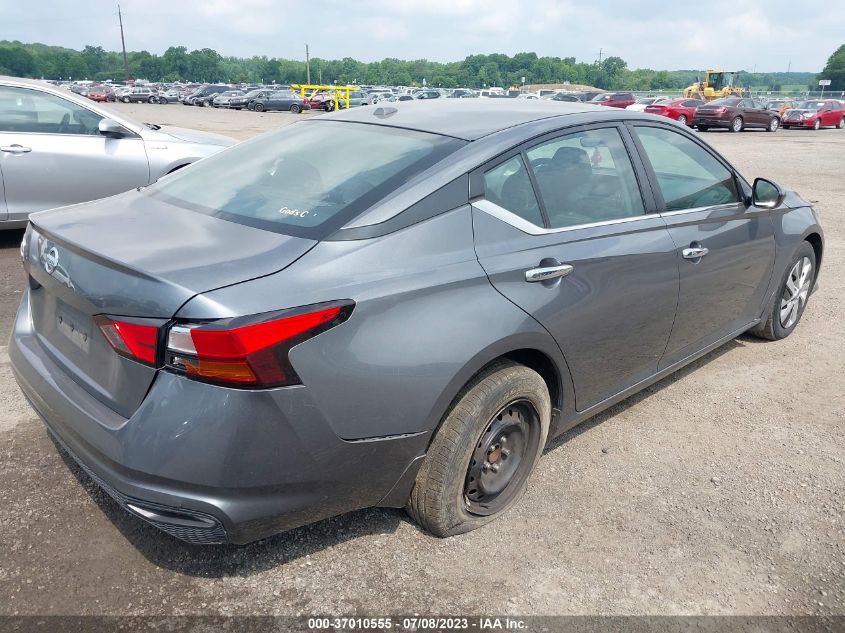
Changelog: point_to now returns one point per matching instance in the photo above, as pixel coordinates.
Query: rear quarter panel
(426, 319)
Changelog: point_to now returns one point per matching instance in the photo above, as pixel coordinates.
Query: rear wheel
(126, 99)
(682, 119)
(790, 300)
(151, 99)
(737, 124)
(479, 461)
(295, 108)
(259, 107)
(841, 124)
(774, 124)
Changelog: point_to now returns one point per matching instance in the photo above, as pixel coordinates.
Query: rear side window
(688, 175)
(282, 181)
(509, 186)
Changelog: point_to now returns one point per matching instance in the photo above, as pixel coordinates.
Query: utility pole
(307, 66)
(600, 52)
(123, 43)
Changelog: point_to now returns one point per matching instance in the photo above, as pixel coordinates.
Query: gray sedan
(57, 148)
(273, 336)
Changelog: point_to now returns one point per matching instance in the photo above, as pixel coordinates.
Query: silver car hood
(167, 133)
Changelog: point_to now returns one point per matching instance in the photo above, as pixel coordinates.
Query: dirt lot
(720, 490)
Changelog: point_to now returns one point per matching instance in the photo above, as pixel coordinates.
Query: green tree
(835, 70)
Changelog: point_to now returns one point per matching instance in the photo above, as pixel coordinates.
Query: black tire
(682, 119)
(126, 100)
(841, 124)
(817, 125)
(329, 106)
(703, 128)
(295, 108)
(774, 124)
(787, 127)
(151, 99)
(772, 328)
(258, 107)
(737, 124)
(440, 500)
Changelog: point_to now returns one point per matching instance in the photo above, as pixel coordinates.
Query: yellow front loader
(716, 84)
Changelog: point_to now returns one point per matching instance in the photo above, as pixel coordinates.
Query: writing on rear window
(296, 213)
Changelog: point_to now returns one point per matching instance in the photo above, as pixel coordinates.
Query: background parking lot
(717, 490)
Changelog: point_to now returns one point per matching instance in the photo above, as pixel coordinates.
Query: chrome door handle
(695, 252)
(548, 272)
(15, 149)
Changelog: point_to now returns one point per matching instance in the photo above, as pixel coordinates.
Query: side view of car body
(780, 106)
(614, 99)
(280, 100)
(299, 338)
(736, 114)
(140, 94)
(643, 102)
(101, 94)
(55, 148)
(816, 114)
(681, 110)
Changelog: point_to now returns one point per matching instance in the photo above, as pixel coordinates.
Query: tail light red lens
(251, 354)
(720, 110)
(132, 340)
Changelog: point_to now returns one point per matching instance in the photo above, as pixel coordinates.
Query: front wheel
(682, 119)
(774, 124)
(478, 464)
(790, 299)
(258, 107)
(126, 100)
(817, 125)
(737, 124)
(841, 124)
(295, 108)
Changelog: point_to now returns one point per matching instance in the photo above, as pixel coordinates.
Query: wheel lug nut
(485, 466)
(503, 439)
(494, 468)
(505, 453)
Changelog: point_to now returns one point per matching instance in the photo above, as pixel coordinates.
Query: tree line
(475, 71)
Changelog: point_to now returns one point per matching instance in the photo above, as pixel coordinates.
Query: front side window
(280, 182)
(31, 111)
(688, 175)
(586, 177)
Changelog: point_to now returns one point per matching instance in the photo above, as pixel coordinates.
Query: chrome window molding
(712, 207)
(500, 213)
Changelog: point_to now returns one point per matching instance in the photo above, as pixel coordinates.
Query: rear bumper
(714, 122)
(212, 465)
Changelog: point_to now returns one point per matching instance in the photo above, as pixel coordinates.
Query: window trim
(644, 185)
(652, 175)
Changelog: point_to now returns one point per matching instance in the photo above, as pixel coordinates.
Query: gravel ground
(717, 491)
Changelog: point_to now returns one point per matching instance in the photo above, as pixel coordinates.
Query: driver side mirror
(111, 128)
(766, 194)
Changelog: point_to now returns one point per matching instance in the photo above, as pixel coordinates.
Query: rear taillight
(720, 110)
(132, 340)
(249, 352)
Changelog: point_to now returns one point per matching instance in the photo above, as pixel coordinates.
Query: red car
(101, 94)
(614, 99)
(816, 114)
(682, 110)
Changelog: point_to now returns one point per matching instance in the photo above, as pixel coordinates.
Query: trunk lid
(136, 257)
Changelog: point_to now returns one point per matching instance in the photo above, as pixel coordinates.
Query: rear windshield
(307, 179)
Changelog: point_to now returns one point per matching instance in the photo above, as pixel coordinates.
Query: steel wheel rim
(796, 292)
(502, 459)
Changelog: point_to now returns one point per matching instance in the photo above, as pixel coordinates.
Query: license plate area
(74, 325)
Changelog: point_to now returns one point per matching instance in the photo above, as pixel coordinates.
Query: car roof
(467, 119)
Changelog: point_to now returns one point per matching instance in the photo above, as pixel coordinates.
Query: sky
(766, 35)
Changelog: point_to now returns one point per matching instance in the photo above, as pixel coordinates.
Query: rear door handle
(695, 252)
(15, 149)
(548, 272)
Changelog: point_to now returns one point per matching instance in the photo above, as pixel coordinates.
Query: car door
(4, 214)
(562, 231)
(52, 153)
(725, 249)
